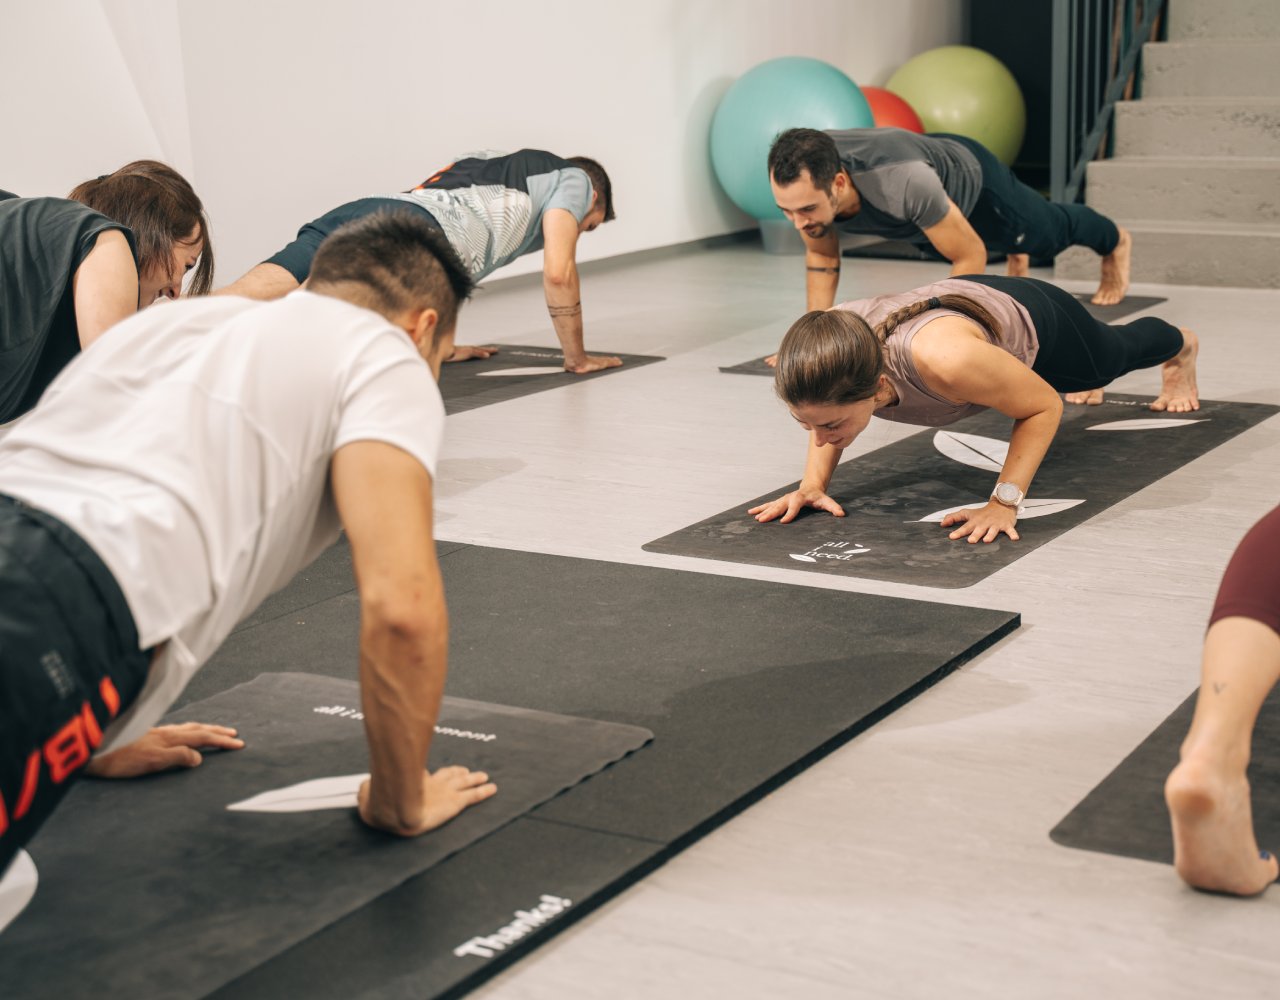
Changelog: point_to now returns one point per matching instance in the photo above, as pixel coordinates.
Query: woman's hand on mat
(444, 794)
(463, 352)
(983, 524)
(790, 505)
(592, 363)
(163, 748)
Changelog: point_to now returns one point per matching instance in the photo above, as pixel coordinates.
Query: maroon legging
(1251, 585)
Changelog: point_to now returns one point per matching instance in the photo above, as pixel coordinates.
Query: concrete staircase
(1196, 172)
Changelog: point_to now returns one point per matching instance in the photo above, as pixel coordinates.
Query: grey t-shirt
(917, 403)
(904, 179)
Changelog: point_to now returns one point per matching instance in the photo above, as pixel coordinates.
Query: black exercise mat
(744, 683)
(1126, 813)
(467, 385)
(905, 250)
(1106, 314)
(329, 575)
(157, 888)
(755, 366)
(1113, 314)
(1101, 455)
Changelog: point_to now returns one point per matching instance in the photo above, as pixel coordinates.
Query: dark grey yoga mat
(1101, 455)
(1106, 314)
(744, 683)
(467, 385)
(154, 888)
(1126, 814)
(905, 250)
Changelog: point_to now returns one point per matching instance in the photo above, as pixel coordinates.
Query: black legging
(297, 256)
(1078, 352)
(1014, 218)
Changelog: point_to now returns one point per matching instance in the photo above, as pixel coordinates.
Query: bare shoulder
(949, 352)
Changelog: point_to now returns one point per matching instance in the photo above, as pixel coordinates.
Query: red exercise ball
(888, 108)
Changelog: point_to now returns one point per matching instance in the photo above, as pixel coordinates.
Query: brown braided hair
(834, 357)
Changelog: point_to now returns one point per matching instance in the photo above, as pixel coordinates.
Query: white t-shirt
(191, 449)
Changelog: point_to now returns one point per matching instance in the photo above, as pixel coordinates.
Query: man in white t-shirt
(191, 464)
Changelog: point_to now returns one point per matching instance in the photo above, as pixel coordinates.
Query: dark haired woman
(939, 353)
(71, 268)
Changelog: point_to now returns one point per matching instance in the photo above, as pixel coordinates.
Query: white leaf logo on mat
(17, 887)
(501, 372)
(306, 796)
(1153, 424)
(1029, 508)
(971, 449)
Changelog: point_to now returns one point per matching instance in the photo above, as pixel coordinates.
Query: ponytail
(956, 303)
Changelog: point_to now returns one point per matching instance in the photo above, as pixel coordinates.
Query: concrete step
(1223, 19)
(1231, 68)
(1198, 126)
(1187, 189)
(1234, 256)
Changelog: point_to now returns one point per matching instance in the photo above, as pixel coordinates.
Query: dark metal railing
(1097, 45)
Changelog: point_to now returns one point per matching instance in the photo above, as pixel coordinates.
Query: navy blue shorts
(69, 664)
(296, 258)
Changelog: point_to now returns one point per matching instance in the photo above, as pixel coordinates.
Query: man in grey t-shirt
(943, 190)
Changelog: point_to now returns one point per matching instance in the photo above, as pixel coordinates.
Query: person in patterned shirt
(493, 207)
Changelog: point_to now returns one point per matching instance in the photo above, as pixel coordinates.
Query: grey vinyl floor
(916, 861)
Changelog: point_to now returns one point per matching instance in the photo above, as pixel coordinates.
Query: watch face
(1009, 494)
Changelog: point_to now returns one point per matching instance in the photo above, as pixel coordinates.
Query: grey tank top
(917, 403)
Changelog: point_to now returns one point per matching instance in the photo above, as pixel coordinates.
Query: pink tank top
(917, 403)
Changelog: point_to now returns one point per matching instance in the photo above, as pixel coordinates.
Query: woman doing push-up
(939, 353)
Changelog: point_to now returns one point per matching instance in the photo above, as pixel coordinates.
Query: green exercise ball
(964, 90)
(791, 92)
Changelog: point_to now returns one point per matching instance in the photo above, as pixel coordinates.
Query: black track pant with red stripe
(69, 664)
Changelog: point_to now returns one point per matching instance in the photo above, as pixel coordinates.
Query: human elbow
(407, 616)
(560, 277)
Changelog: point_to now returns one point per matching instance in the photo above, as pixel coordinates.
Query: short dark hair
(599, 182)
(401, 261)
(800, 149)
(160, 208)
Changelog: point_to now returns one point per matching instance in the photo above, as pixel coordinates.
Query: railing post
(1059, 100)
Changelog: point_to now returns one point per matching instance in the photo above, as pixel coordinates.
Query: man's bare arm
(560, 284)
(956, 240)
(384, 498)
(822, 270)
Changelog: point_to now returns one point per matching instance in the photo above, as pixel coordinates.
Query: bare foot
(1178, 393)
(1115, 272)
(1213, 841)
(1092, 397)
(1017, 265)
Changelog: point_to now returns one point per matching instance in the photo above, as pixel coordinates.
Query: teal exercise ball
(791, 92)
(964, 90)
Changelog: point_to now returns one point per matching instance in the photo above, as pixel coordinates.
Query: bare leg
(1017, 265)
(265, 281)
(1178, 393)
(1208, 792)
(1092, 397)
(1115, 272)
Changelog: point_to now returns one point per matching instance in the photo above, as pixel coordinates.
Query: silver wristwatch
(1007, 494)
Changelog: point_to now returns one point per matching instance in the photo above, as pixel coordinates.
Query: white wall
(295, 106)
